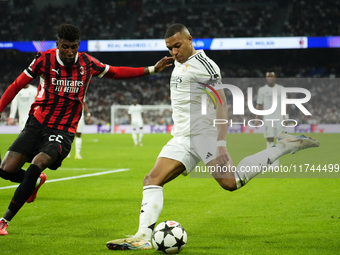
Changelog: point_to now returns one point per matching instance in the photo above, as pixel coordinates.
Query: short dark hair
(68, 32)
(173, 29)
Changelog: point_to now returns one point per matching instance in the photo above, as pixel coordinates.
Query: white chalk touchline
(75, 177)
(91, 169)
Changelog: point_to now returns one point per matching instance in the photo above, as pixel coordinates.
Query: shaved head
(176, 28)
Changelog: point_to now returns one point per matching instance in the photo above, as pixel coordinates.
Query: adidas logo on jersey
(208, 155)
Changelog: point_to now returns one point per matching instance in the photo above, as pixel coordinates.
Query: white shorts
(272, 128)
(81, 124)
(137, 124)
(190, 151)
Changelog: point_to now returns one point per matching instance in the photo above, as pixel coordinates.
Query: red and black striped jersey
(61, 90)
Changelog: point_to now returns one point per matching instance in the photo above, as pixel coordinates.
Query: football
(169, 237)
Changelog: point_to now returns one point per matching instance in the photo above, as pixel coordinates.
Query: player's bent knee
(148, 180)
(228, 184)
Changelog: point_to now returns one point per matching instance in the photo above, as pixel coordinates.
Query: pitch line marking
(67, 168)
(75, 177)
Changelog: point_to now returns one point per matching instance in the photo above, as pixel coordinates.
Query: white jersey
(265, 98)
(136, 113)
(186, 95)
(81, 123)
(22, 102)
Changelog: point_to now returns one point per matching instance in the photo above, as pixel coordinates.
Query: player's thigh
(164, 170)
(57, 145)
(178, 149)
(27, 142)
(205, 146)
(13, 161)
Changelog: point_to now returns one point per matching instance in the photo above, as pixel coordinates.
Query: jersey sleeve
(260, 98)
(35, 68)
(97, 68)
(210, 73)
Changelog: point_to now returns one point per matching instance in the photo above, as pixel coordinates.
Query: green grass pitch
(267, 216)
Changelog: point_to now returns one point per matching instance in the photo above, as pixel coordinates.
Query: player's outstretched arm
(122, 72)
(222, 156)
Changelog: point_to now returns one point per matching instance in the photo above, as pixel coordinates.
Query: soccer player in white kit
(264, 101)
(196, 138)
(136, 115)
(80, 129)
(22, 103)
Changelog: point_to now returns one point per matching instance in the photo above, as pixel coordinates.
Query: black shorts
(36, 138)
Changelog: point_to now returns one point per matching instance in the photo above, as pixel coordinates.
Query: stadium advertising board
(252, 43)
(235, 129)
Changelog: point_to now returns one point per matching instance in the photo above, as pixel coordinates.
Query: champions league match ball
(169, 237)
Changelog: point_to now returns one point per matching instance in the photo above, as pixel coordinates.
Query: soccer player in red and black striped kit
(49, 132)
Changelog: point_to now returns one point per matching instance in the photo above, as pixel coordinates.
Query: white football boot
(292, 144)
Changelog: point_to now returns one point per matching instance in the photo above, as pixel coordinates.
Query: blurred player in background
(49, 132)
(264, 102)
(86, 115)
(195, 137)
(136, 116)
(22, 103)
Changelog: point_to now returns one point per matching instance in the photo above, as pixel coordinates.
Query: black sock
(13, 177)
(25, 189)
(8, 216)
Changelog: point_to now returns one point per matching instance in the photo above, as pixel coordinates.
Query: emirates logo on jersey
(67, 85)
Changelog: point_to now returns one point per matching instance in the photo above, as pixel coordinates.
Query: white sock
(38, 182)
(7, 221)
(152, 205)
(134, 137)
(141, 136)
(251, 166)
(276, 162)
(78, 143)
